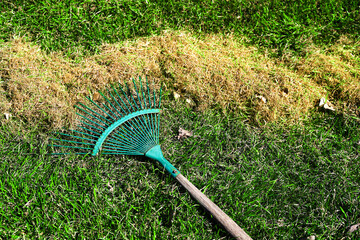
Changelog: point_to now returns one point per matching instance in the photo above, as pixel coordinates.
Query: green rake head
(125, 122)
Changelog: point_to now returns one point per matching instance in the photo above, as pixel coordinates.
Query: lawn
(283, 168)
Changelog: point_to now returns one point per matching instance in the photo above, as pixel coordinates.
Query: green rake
(127, 122)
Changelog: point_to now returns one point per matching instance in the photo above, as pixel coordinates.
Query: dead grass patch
(337, 70)
(214, 71)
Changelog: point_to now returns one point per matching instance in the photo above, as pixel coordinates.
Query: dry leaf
(7, 115)
(326, 104)
(28, 204)
(184, 134)
(96, 96)
(261, 98)
(353, 228)
(176, 95)
(110, 187)
(188, 101)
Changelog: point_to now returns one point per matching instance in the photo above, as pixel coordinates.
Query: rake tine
(107, 100)
(100, 108)
(129, 102)
(128, 110)
(137, 94)
(78, 137)
(86, 133)
(132, 97)
(123, 111)
(94, 112)
(93, 116)
(68, 141)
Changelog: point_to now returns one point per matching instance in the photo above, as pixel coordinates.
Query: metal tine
(119, 145)
(157, 117)
(148, 127)
(119, 148)
(143, 91)
(100, 108)
(135, 125)
(144, 125)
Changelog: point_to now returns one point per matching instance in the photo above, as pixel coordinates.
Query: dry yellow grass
(214, 71)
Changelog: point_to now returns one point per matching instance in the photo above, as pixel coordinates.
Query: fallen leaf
(353, 228)
(261, 98)
(96, 96)
(110, 187)
(326, 104)
(7, 116)
(28, 204)
(184, 134)
(176, 95)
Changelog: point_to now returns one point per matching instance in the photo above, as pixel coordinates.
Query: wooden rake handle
(220, 216)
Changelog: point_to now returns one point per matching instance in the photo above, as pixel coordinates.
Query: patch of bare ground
(214, 72)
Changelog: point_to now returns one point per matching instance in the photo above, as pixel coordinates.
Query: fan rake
(126, 122)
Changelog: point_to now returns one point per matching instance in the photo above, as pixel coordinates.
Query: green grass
(281, 25)
(276, 183)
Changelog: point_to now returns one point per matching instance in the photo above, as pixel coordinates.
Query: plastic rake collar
(123, 122)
